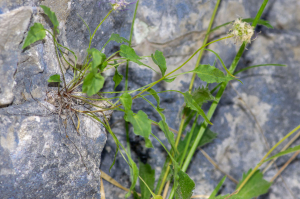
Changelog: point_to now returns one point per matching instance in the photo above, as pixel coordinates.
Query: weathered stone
(177, 28)
(42, 154)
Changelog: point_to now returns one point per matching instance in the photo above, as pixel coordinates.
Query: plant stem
(126, 88)
(130, 40)
(197, 63)
(168, 168)
(204, 42)
(98, 27)
(269, 152)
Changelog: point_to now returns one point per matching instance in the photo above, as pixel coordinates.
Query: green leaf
(207, 137)
(92, 83)
(159, 59)
(185, 186)
(249, 67)
(141, 123)
(255, 186)
(126, 100)
(117, 38)
(190, 102)
(135, 175)
(248, 20)
(129, 53)
(156, 97)
(290, 150)
(54, 78)
(211, 74)
(260, 22)
(51, 16)
(148, 175)
(148, 143)
(202, 95)
(170, 80)
(170, 135)
(216, 190)
(37, 32)
(97, 56)
(117, 78)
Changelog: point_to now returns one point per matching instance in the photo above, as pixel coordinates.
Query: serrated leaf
(159, 59)
(126, 100)
(37, 32)
(117, 78)
(202, 95)
(92, 83)
(290, 150)
(97, 57)
(211, 74)
(156, 97)
(185, 186)
(148, 175)
(117, 38)
(141, 123)
(54, 78)
(129, 53)
(255, 186)
(51, 16)
(190, 102)
(216, 190)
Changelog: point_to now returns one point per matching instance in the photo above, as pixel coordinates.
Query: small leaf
(216, 190)
(37, 32)
(248, 20)
(141, 123)
(97, 56)
(54, 78)
(290, 150)
(148, 175)
(117, 38)
(51, 16)
(170, 80)
(185, 186)
(249, 67)
(190, 102)
(211, 74)
(129, 53)
(165, 128)
(117, 78)
(159, 59)
(135, 175)
(255, 186)
(202, 95)
(126, 100)
(148, 143)
(92, 83)
(156, 97)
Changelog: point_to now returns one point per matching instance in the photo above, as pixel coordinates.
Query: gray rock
(177, 28)
(42, 153)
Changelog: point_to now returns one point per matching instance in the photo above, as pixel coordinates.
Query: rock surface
(42, 154)
(177, 28)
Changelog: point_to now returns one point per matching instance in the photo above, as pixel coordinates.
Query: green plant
(90, 78)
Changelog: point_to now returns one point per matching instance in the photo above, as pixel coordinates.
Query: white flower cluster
(119, 5)
(241, 31)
